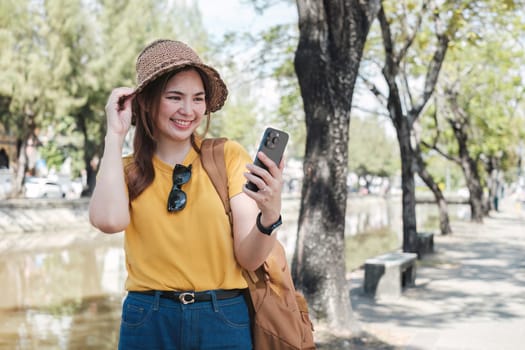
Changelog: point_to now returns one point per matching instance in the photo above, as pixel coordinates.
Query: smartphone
(273, 143)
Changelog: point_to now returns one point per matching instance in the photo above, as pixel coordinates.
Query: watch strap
(267, 230)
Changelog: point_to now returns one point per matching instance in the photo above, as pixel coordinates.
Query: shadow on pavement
(476, 275)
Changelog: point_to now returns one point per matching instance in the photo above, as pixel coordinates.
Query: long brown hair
(145, 107)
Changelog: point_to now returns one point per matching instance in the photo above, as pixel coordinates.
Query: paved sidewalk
(469, 295)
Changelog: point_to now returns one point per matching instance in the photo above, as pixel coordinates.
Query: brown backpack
(280, 319)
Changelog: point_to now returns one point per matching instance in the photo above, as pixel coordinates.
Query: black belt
(191, 297)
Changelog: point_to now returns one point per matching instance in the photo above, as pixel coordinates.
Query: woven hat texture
(162, 56)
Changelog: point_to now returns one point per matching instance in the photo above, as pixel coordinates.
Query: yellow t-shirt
(191, 249)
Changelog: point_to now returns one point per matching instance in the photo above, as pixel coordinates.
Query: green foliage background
(60, 59)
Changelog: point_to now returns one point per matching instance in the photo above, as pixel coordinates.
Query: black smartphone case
(273, 144)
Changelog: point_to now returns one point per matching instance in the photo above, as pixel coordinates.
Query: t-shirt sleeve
(236, 158)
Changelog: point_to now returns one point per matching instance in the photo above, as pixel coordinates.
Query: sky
(221, 16)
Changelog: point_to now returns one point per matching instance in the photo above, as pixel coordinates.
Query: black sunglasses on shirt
(177, 198)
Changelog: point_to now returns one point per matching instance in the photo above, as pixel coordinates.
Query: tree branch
(390, 70)
(434, 68)
(410, 38)
(410, 102)
(374, 89)
(435, 139)
(441, 152)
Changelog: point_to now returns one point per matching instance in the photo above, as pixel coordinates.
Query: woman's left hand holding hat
(118, 111)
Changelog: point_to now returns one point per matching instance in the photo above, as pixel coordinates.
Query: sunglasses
(177, 198)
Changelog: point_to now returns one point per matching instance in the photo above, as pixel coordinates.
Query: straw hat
(162, 56)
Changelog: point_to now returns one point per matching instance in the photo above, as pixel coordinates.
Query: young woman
(185, 287)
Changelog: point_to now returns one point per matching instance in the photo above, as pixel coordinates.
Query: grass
(366, 245)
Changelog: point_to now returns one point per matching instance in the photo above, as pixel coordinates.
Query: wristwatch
(268, 230)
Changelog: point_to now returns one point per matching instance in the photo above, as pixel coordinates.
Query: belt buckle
(183, 300)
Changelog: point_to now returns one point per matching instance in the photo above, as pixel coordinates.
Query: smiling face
(181, 108)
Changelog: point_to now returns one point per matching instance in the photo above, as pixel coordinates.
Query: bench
(386, 275)
(425, 243)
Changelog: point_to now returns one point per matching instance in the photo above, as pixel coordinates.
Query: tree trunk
(331, 42)
(494, 184)
(444, 221)
(21, 166)
(410, 244)
(90, 153)
(467, 163)
(404, 118)
(475, 189)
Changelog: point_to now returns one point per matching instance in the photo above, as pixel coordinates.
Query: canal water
(61, 290)
(62, 284)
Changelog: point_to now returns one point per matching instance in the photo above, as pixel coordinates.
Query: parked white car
(39, 187)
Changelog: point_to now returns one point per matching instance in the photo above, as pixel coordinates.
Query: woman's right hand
(119, 114)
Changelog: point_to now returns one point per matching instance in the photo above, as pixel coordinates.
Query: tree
(331, 41)
(29, 70)
(49, 44)
(402, 72)
(428, 179)
(414, 35)
(480, 106)
(77, 56)
(372, 153)
(269, 69)
(421, 154)
(71, 39)
(62, 58)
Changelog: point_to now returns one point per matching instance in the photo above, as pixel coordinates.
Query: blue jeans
(150, 322)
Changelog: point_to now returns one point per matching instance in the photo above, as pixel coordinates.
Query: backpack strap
(212, 159)
(278, 313)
